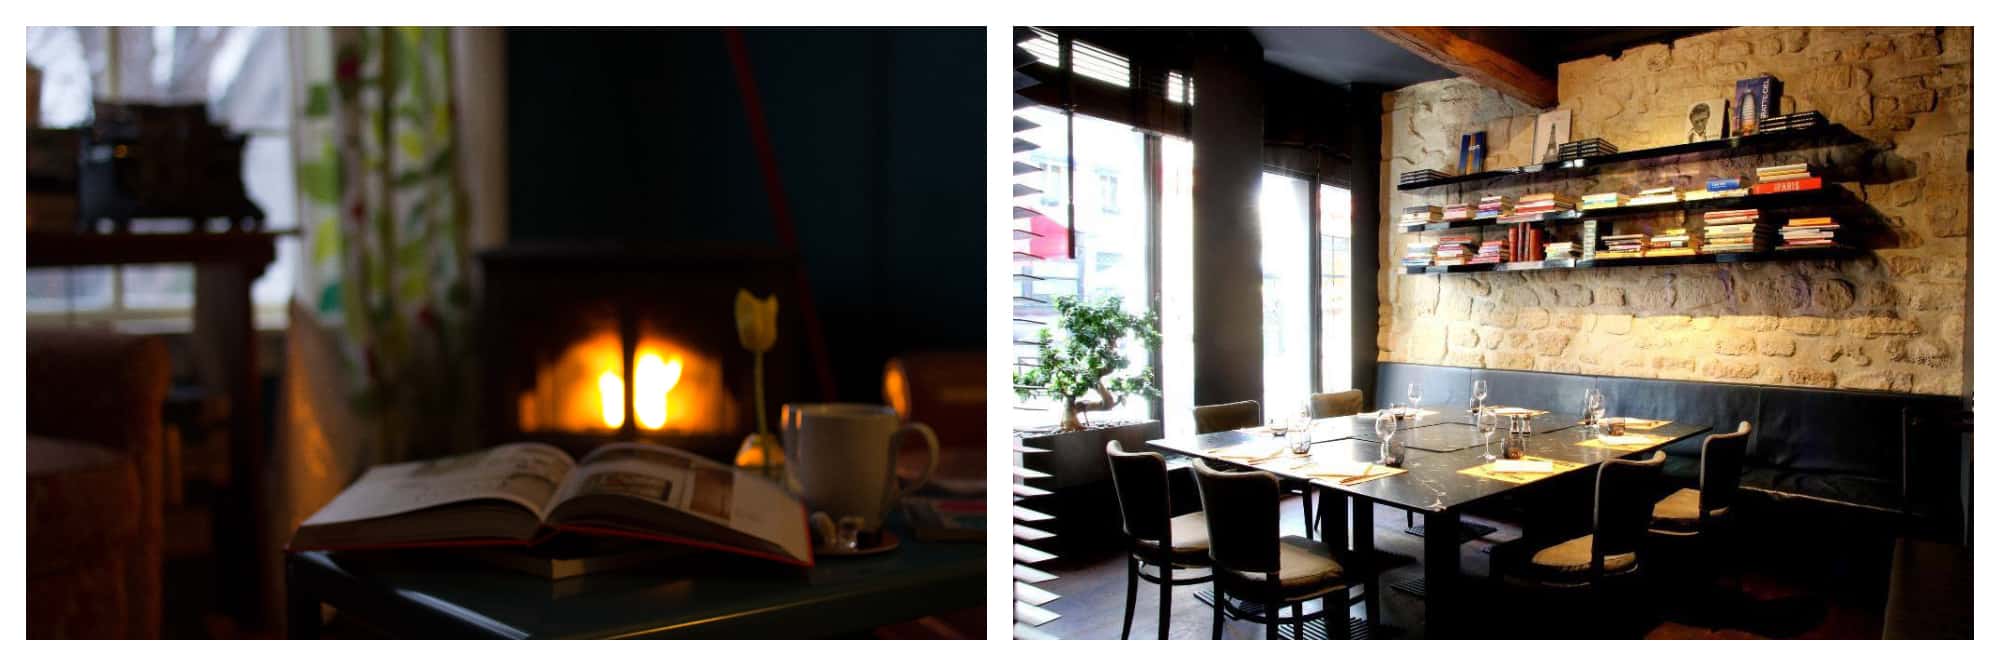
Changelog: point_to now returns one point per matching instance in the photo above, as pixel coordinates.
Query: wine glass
(1416, 395)
(1479, 394)
(1593, 406)
(1488, 422)
(1385, 428)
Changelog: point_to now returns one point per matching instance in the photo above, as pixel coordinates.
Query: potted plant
(1085, 371)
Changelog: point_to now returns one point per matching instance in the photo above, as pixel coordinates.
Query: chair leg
(1298, 625)
(1333, 614)
(1131, 594)
(1271, 620)
(1216, 590)
(1166, 597)
(1409, 519)
(1306, 508)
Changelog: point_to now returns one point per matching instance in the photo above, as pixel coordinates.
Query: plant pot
(1082, 500)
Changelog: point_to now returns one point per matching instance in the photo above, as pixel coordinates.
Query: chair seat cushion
(1570, 561)
(1681, 512)
(1187, 537)
(1304, 562)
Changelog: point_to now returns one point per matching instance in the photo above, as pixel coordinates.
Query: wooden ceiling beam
(1475, 61)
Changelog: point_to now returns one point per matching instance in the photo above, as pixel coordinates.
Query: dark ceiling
(1354, 55)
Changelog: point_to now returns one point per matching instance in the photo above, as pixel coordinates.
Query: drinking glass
(1593, 406)
(1416, 395)
(1301, 431)
(1488, 422)
(1479, 394)
(1385, 429)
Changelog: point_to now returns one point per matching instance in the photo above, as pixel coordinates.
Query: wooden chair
(1254, 563)
(1609, 554)
(1248, 414)
(1154, 537)
(1696, 519)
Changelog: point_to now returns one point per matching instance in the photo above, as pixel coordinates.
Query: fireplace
(584, 344)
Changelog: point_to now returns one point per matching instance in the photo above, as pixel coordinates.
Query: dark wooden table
(1432, 487)
(431, 595)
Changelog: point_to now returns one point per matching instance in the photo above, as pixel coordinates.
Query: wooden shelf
(1733, 146)
(251, 248)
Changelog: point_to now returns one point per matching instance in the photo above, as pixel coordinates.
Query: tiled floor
(1093, 596)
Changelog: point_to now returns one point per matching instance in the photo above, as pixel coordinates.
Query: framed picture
(1551, 132)
(1707, 120)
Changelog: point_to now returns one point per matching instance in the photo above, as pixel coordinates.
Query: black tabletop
(426, 595)
(1362, 426)
(1434, 475)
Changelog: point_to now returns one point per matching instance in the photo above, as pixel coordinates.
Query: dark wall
(1228, 163)
(879, 134)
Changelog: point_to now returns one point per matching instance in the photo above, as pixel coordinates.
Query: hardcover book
(525, 494)
(1756, 99)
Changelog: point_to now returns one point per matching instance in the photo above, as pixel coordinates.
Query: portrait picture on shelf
(1756, 99)
(1551, 132)
(1707, 120)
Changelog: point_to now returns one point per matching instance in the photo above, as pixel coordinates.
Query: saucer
(888, 542)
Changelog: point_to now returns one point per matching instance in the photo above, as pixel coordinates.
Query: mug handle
(931, 441)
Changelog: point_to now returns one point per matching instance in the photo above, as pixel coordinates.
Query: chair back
(1624, 508)
(1722, 468)
(1139, 478)
(1242, 509)
(1227, 416)
(1344, 403)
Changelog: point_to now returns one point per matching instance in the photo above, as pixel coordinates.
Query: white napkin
(1252, 451)
(1534, 466)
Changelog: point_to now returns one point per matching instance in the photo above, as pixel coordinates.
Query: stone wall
(1894, 321)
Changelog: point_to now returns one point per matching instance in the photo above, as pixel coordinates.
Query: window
(1336, 289)
(1284, 212)
(244, 75)
(1177, 285)
(1111, 253)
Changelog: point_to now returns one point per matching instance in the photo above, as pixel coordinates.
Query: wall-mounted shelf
(1733, 146)
(1822, 196)
(1802, 254)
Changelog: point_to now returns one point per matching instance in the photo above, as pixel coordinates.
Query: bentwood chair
(1154, 537)
(1607, 556)
(1334, 405)
(1248, 414)
(1253, 563)
(1696, 519)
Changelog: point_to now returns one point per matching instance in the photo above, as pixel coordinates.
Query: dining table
(1443, 474)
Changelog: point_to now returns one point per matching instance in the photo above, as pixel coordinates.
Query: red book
(1799, 185)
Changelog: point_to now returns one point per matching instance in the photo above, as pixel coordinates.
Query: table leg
(1333, 520)
(1441, 579)
(225, 347)
(1364, 554)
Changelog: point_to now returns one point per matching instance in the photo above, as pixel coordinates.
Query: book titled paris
(1756, 99)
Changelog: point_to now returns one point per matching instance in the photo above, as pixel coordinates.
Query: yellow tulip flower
(756, 321)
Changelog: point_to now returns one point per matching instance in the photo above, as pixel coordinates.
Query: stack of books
(1733, 231)
(1623, 246)
(1418, 255)
(1532, 207)
(1672, 243)
(1656, 195)
(1457, 212)
(1803, 120)
(1802, 232)
(1559, 250)
(1603, 200)
(1422, 176)
(1417, 216)
(1585, 148)
(1493, 206)
(1785, 178)
(1493, 252)
(1453, 251)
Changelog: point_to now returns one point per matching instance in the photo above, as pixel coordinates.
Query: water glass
(1301, 433)
(1488, 422)
(1593, 406)
(1416, 395)
(1385, 429)
(1479, 394)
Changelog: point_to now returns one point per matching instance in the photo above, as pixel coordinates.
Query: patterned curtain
(385, 229)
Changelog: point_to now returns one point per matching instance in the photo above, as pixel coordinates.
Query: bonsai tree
(1084, 368)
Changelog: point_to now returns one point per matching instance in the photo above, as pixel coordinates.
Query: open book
(525, 493)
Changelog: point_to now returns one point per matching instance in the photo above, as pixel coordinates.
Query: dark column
(1228, 165)
(1364, 146)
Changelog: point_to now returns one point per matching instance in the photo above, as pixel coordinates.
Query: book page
(695, 486)
(523, 473)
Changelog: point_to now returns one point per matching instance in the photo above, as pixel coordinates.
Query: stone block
(1729, 370)
(1614, 324)
(1776, 344)
(1808, 376)
(1735, 345)
(1532, 318)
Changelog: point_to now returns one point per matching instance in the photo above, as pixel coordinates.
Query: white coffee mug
(843, 456)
